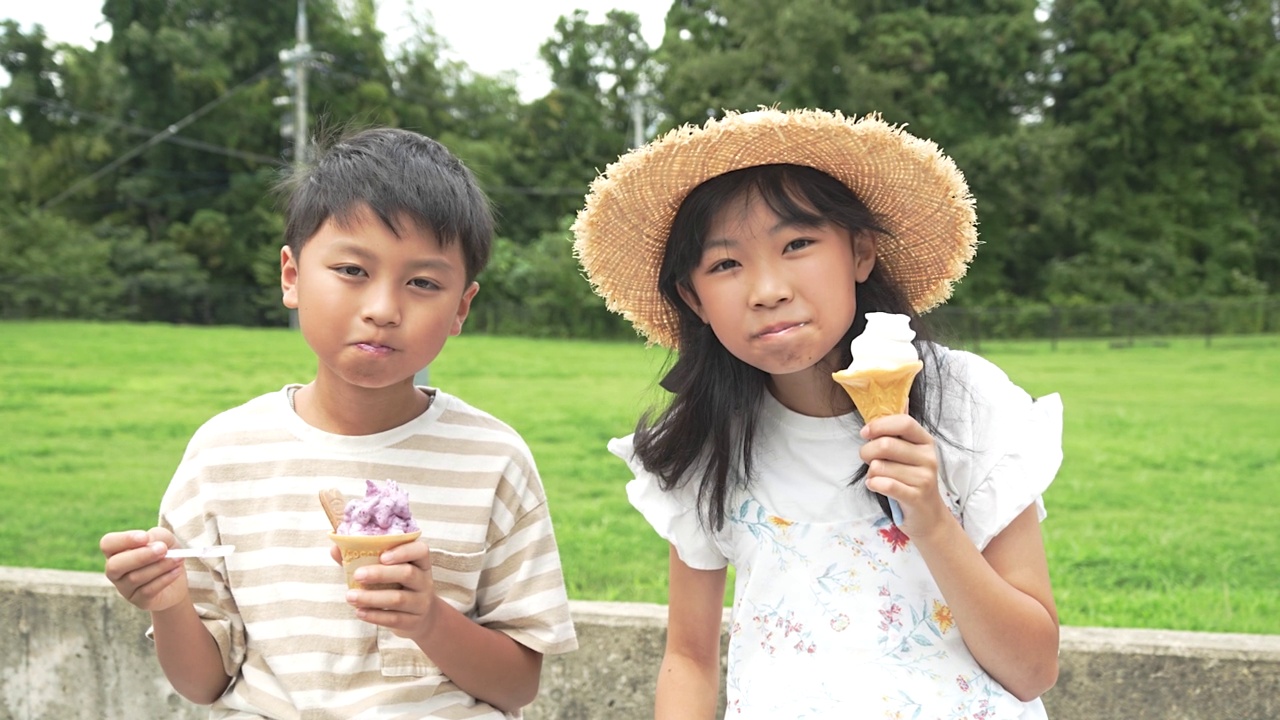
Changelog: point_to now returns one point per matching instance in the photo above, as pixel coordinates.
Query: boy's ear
(864, 256)
(691, 299)
(289, 278)
(464, 307)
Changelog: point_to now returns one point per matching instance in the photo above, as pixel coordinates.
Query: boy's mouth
(374, 348)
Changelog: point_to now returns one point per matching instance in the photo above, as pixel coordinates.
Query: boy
(385, 236)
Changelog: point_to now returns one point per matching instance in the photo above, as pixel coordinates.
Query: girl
(754, 247)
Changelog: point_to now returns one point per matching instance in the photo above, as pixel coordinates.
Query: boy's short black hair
(402, 177)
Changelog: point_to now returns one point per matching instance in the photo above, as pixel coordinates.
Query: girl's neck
(811, 393)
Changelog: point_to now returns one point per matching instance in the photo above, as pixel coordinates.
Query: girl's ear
(864, 255)
(691, 299)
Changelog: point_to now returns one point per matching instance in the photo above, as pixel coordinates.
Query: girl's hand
(902, 463)
(137, 566)
(409, 611)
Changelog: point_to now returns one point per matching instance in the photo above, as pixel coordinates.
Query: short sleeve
(522, 591)
(183, 512)
(672, 514)
(1016, 453)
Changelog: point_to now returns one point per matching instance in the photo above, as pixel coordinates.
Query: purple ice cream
(382, 511)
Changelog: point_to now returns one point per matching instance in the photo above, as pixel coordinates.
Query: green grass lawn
(1166, 513)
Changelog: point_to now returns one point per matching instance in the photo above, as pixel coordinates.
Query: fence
(1123, 324)
(215, 304)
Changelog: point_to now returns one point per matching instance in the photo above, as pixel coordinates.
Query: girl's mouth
(779, 330)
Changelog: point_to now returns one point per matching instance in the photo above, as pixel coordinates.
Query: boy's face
(375, 308)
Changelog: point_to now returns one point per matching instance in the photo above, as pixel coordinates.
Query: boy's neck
(359, 411)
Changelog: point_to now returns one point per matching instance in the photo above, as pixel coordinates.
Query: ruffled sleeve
(673, 514)
(1017, 452)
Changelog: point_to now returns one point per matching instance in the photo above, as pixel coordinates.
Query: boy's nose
(382, 306)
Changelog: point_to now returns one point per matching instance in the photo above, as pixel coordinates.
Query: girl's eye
(722, 265)
(799, 244)
(423, 284)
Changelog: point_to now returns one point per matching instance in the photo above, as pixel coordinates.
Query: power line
(140, 130)
(159, 137)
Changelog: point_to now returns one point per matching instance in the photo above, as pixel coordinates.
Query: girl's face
(778, 295)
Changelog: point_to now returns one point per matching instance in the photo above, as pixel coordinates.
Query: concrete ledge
(71, 649)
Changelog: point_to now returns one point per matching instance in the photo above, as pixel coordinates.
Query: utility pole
(302, 55)
(295, 62)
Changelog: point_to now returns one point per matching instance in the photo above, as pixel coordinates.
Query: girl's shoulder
(970, 381)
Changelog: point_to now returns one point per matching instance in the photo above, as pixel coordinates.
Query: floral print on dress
(844, 620)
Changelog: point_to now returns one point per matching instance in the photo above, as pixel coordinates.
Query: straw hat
(915, 191)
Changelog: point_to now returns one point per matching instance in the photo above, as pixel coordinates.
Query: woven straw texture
(917, 193)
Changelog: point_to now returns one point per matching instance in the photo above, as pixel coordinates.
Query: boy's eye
(799, 244)
(349, 270)
(423, 284)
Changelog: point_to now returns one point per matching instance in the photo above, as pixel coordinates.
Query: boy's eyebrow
(354, 248)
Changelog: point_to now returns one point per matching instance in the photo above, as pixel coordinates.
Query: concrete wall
(71, 649)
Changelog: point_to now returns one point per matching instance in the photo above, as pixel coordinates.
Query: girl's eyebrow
(728, 243)
(719, 243)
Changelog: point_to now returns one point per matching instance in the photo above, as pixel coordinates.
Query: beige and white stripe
(250, 478)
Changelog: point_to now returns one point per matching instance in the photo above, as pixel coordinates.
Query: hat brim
(916, 192)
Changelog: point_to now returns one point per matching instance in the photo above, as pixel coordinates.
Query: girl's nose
(770, 288)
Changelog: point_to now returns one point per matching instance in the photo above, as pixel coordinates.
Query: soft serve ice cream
(885, 344)
(382, 511)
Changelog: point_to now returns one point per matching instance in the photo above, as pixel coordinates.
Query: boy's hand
(137, 566)
(902, 463)
(409, 611)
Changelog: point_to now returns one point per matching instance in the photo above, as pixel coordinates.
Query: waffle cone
(878, 392)
(361, 550)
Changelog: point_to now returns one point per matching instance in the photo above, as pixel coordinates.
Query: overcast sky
(490, 36)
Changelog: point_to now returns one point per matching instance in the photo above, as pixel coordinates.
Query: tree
(966, 74)
(1176, 105)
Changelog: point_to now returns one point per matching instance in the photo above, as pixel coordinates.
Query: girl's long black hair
(707, 432)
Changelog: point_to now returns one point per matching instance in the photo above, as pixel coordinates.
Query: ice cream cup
(361, 550)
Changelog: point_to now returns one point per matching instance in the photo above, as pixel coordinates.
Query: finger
(376, 599)
(121, 564)
(902, 426)
(152, 587)
(410, 552)
(140, 577)
(116, 542)
(907, 473)
(335, 552)
(900, 451)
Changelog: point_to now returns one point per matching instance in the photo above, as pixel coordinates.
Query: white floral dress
(835, 614)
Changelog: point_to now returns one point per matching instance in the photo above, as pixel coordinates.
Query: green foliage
(57, 268)
(1118, 151)
(538, 289)
(1175, 105)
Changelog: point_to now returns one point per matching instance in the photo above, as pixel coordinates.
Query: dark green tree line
(1118, 150)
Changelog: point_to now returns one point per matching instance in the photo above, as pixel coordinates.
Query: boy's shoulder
(252, 419)
(459, 417)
